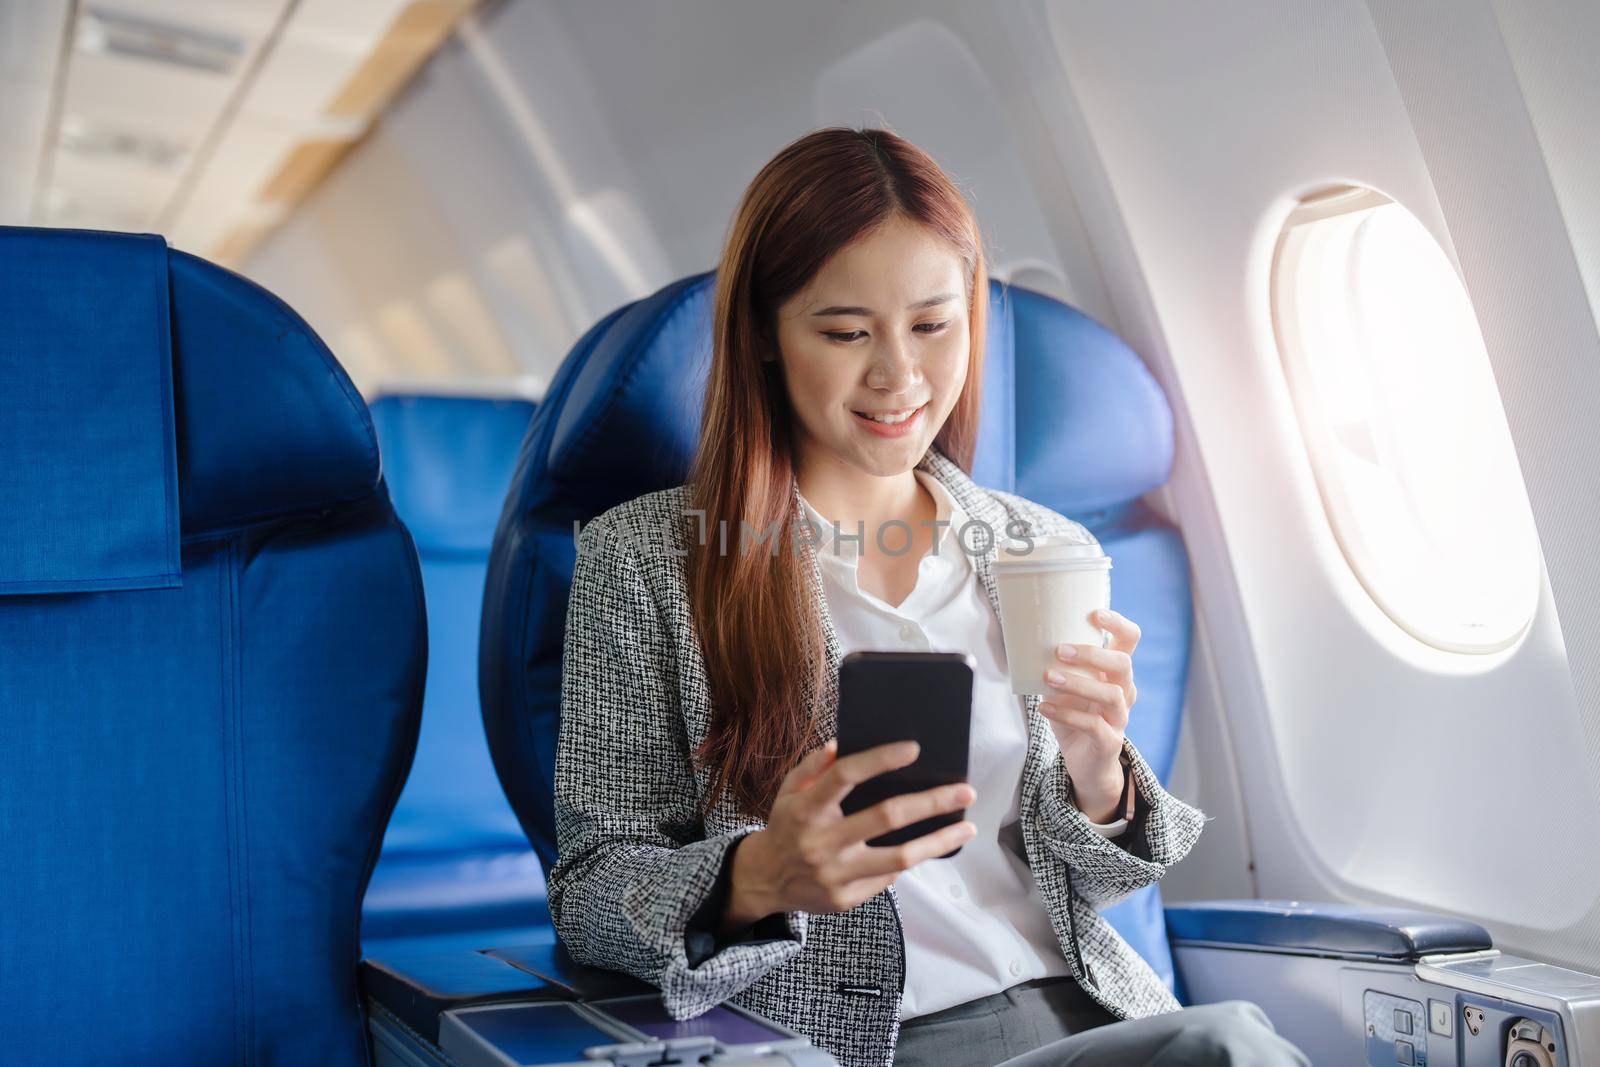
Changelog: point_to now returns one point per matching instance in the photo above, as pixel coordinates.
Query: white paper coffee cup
(1047, 590)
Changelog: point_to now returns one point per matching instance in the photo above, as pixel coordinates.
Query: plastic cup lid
(1061, 548)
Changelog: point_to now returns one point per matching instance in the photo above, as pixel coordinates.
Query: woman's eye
(846, 336)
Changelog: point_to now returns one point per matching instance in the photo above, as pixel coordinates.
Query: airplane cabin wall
(557, 160)
(1378, 768)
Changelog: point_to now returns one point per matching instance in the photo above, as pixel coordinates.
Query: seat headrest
(269, 424)
(1093, 428)
(1070, 415)
(628, 415)
(153, 395)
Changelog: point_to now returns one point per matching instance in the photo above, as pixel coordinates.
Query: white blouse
(974, 924)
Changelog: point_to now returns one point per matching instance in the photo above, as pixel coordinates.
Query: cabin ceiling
(203, 121)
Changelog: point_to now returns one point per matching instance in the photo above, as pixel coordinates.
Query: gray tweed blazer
(641, 876)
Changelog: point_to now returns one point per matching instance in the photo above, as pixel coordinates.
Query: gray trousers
(1052, 1022)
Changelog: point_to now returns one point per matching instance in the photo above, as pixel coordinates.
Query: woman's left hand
(1090, 717)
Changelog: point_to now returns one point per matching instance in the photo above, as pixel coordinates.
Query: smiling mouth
(891, 418)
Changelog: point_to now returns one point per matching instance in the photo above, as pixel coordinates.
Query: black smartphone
(924, 697)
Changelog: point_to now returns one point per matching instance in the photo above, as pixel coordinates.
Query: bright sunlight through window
(1402, 420)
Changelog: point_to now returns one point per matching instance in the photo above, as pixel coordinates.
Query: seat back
(1071, 418)
(620, 418)
(448, 461)
(212, 650)
(454, 857)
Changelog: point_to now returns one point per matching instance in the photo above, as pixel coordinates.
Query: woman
(702, 845)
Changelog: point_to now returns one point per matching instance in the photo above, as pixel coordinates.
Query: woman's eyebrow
(839, 309)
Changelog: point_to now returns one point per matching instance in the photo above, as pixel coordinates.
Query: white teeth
(890, 419)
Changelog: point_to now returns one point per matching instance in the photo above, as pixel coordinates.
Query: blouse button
(908, 632)
(1016, 968)
(955, 891)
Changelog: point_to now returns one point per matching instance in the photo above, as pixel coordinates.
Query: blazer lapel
(978, 505)
(826, 702)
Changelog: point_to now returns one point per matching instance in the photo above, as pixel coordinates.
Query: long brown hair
(755, 610)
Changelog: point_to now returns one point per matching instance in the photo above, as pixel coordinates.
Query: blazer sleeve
(1105, 871)
(635, 879)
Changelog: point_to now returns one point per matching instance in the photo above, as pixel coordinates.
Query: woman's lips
(891, 429)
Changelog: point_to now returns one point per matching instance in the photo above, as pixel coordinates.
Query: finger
(1090, 722)
(898, 811)
(850, 771)
(1118, 666)
(855, 893)
(864, 889)
(1124, 631)
(1110, 698)
(815, 762)
(830, 752)
(867, 860)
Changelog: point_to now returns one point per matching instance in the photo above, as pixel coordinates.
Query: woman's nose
(893, 368)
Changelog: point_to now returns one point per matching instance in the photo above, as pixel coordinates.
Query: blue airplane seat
(1071, 418)
(212, 652)
(455, 865)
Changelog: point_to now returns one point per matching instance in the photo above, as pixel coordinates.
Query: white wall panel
(1359, 748)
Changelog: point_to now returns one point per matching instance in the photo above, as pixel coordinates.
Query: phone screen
(907, 696)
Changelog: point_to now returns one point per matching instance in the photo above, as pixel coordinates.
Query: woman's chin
(887, 458)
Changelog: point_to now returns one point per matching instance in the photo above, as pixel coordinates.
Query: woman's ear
(767, 341)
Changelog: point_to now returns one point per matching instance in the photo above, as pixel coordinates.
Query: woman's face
(874, 351)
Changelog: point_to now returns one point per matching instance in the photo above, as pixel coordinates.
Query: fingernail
(910, 748)
(1055, 677)
(1066, 651)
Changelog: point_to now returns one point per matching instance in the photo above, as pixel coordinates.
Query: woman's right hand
(812, 857)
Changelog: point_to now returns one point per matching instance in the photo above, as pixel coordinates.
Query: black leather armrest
(578, 981)
(1322, 929)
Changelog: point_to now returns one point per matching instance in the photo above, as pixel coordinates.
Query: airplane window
(1402, 421)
